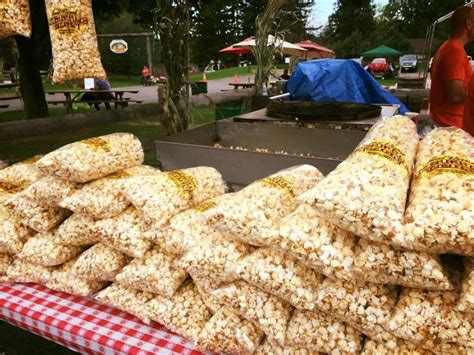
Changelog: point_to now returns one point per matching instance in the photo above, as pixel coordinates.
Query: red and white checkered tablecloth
(83, 325)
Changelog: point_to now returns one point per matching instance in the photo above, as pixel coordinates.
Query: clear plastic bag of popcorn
(157, 272)
(227, 332)
(366, 307)
(78, 229)
(268, 312)
(15, 18)
(184, 313)
(188, 228)
(321, 332)
(252, 215)
(64, 280)
(430, 318)
(317, 243)
(210, 301)
(372, 347)
(100, 263)
(124, 233)
(13, 234)
(93, 158)
(103, 198)
(440, 213)
(39, 218)
(158, 198)
(43, 250)
(48, 191)
(74, 40)
(214, 261)
(5, 261)
(382, 263)
(466, 300)
(366, 194)
(9, 189)
(24, 172)
(280, 275)
(402, 347)
(269, 348)
(22, 271)
(126, 299)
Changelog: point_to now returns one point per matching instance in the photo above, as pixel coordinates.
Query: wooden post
(149, 54)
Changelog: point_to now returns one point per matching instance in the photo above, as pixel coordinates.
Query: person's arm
(454, 75)
(455, 91)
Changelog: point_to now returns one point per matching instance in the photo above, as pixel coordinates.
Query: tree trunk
(31, 84)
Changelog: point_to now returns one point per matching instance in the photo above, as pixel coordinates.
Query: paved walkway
(147, 94)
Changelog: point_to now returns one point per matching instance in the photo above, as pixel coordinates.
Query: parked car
(408, 63)
(379, 65)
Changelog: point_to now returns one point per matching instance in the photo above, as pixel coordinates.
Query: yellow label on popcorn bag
(30, 161)
(186, 183)
(280, 183)
(119, 175)
(446, 165)
(69, 20)
(97, 144)
(385, 150)
(205, 206)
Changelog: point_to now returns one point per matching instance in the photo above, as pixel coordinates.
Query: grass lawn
(230, 72)
(225, 73)
(388, 82)
(147, 128)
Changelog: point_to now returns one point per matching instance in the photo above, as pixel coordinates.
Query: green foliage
(219, 23)
(395, 23)
(266, 24)
(173, 28)
(131, 62)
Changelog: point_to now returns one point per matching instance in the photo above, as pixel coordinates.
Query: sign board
(89, 83)
(118, 46)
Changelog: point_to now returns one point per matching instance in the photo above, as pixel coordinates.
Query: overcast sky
(324, 8)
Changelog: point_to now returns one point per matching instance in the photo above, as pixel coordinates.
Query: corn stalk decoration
(172, 26)
(266, 24)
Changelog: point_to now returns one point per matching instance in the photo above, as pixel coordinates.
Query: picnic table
(8, 85)
(242, 85)
(84, 325)
(73, 96)
(249, 85)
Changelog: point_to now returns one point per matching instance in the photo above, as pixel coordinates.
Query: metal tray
(196, 147)
(321, 111)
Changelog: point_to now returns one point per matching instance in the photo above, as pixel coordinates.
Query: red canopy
(316, 51)
(236, 50)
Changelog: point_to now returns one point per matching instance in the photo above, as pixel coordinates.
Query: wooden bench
(7, 98)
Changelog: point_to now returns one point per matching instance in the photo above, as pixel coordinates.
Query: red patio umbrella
(316, 51)
(236, 50)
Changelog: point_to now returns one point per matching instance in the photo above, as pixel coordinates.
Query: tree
(219, 23)
(389, 27)
(351, 27)
(418, 15)
(29, 50)
(173, 28)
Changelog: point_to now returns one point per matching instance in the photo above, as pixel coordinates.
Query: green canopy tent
(381, 51)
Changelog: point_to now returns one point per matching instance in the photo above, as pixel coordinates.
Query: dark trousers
(96, 96)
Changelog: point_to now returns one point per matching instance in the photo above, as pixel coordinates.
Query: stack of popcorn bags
(294, 263)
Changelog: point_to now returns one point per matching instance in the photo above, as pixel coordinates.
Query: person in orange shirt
(468, 120)
(451, 71)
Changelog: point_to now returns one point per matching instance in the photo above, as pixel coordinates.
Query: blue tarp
(337, 80)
